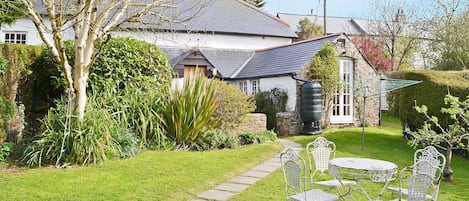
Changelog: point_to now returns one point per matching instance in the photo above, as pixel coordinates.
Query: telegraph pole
(325, 29)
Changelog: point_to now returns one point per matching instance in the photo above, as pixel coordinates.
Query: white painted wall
(228, 41)
(32, 36)
(188, 40)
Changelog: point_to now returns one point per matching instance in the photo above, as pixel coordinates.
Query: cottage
(247, 47)
(265, 69)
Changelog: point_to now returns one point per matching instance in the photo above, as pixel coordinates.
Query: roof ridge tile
(300, 42)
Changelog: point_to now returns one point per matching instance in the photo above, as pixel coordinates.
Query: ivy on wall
(325, 68)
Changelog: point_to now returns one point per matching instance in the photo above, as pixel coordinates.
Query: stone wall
(361, 69)
(288, 123)
(255, 122)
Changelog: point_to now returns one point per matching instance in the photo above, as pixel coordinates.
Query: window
(254, 86)
(341, 43)
(15, 37)
(243, 86)
(342, 109)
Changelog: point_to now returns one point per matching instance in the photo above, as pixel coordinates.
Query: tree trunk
(448, 172)
(79, 98)
(326, 121)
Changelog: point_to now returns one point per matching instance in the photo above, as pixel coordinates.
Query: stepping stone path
(238, 184)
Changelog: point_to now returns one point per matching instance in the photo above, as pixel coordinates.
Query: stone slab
(253, 173)
(216, 195)
(232, 187)
(245, 180)
(289, 144)
(266, 168)
(273, 162)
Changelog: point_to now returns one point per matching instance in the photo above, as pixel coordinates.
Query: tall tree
(9, 11)
(257, 3)
(307, 30)
(91, 21)
(392, 26)
(448, 23)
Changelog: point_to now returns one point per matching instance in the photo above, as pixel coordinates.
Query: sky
(336, 8)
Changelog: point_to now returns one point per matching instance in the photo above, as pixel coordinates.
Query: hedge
(430, 92)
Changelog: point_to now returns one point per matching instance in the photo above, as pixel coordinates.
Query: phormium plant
(189, 113)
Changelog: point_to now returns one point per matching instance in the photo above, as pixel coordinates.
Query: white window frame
(243, 86)
(17, 37)
(254, 86)
(342, 109)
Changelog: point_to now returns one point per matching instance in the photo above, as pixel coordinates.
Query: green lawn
(152, 175)
(181, 175)
(384, 143)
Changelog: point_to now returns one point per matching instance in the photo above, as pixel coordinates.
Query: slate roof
(222, 16)
(226, 61)
(243, 64)
(210, 16)
(174, 54)
(283, 60)
(350, 26)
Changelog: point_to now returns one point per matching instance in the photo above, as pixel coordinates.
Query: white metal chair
(417, 184)
(430, 162)
(294, 177)
(322, 151)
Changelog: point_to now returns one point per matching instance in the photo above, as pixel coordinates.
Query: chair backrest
(433, 167)
(321, 150)
(418, 186)
(434, 159)
(293, 168)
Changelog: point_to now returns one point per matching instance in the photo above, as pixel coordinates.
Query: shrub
(431, 92)
(127, 62)
(15, 60)
(269, 135)
(70, 141)
(232, 141)
(232, 105)
(189, 113)
(131, 78)
(39, 90)
(270, 103)
(256, 137)
(136, 79)
(139, 111)
(5, 150)
(7, 111)
(217, 139)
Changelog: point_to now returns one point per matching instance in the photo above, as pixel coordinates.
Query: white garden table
(363, 170)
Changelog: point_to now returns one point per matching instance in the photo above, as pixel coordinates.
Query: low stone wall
(287, 123)
(255, 122)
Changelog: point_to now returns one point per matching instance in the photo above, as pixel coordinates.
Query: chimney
(400, 16)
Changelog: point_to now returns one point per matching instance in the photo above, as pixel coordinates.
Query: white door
(342, 108)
